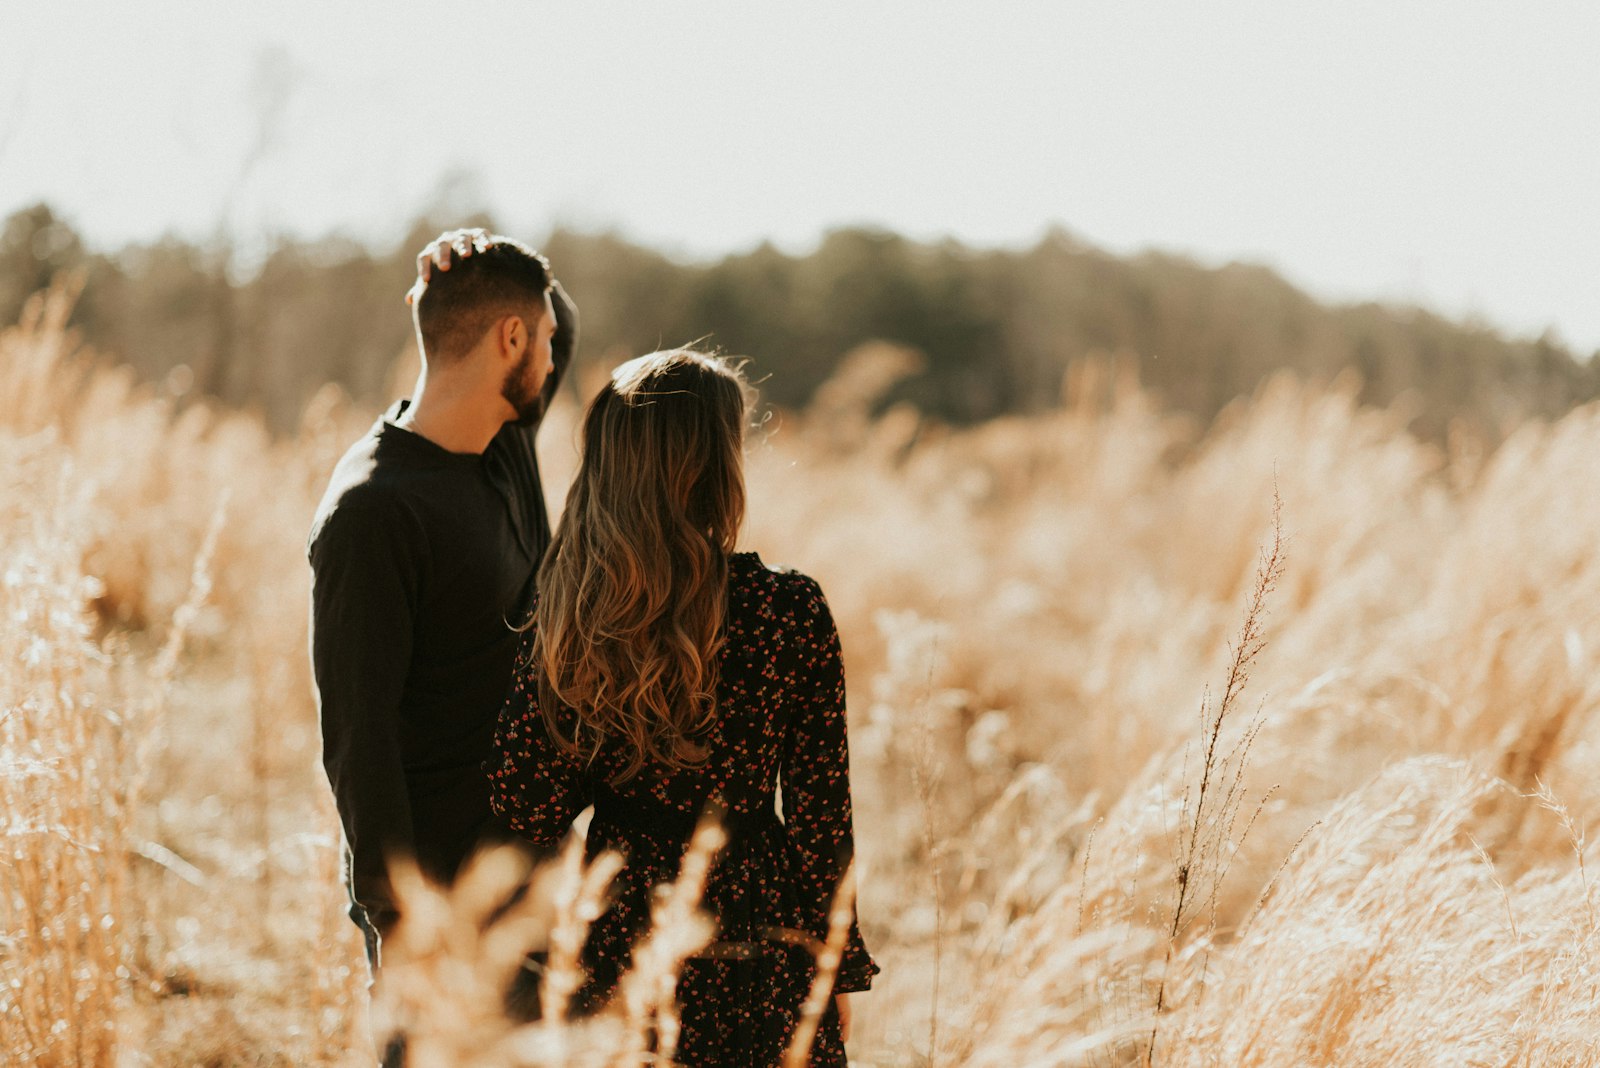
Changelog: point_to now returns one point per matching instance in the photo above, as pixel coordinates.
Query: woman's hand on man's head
(443, 251)
(440, 251)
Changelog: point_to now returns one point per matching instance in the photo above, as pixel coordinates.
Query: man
(424, 553)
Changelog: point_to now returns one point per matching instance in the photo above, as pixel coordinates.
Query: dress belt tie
(651, 818)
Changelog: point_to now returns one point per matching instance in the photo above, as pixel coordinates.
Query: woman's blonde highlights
(633, 590)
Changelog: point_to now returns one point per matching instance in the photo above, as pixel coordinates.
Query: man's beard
(517, 393)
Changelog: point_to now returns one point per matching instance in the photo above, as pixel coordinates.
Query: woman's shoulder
(751, 564)
(777, 582)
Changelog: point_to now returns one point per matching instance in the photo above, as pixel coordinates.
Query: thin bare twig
(1207, 819)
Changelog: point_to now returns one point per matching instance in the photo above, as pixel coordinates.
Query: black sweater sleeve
(366, 563)
(565, 341)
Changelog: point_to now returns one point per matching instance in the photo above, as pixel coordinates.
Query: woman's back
(779, 728)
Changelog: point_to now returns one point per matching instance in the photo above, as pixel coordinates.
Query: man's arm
(366, 564)
(562, 345)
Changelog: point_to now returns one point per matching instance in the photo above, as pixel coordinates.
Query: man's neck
(454, 420)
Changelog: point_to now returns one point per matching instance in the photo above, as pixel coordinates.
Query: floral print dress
(780, 725)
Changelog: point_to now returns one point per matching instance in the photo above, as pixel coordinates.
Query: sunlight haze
(1442, 153)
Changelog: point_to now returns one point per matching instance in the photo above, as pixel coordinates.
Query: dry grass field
(1131, 786)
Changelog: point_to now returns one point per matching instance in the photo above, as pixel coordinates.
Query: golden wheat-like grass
(1031, 610)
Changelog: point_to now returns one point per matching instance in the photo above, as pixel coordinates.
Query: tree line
(995, 329)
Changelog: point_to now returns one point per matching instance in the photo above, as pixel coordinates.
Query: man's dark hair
(456, 307)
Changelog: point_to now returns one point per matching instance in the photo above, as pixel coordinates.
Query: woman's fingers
(442, 251)
(467, 241)
(435, 253)
(841, 1004)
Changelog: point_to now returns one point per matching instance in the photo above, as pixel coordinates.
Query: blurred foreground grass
(1032, 611)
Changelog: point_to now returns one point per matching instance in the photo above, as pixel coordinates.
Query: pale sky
(1445, 153)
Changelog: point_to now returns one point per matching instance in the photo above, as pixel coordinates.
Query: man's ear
(507, 333)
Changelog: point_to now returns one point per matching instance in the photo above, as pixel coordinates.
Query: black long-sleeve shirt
(422, 561)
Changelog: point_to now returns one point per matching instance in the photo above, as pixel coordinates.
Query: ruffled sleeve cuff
(857, 967)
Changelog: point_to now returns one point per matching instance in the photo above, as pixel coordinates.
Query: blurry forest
(994, 331)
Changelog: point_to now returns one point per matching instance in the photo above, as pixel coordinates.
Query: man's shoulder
(362, 491)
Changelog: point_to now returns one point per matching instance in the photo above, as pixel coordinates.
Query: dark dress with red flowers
(780, 727)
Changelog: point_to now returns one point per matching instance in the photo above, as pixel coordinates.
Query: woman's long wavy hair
(633, 590)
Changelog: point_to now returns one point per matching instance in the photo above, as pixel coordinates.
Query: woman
(663, 672)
